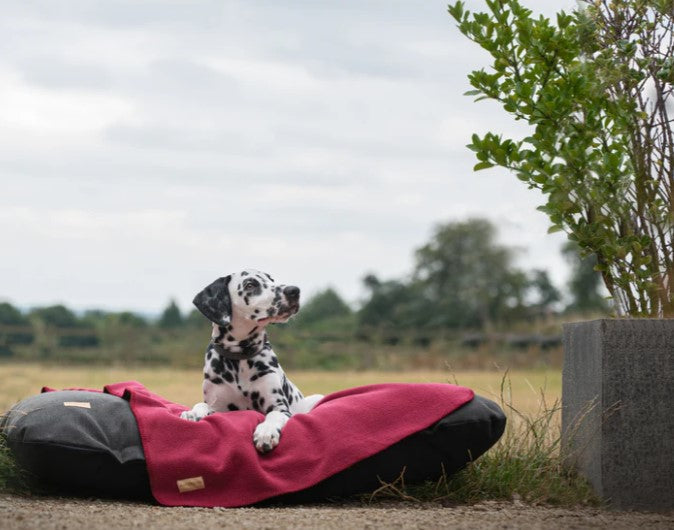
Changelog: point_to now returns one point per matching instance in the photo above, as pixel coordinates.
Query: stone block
(618, 409)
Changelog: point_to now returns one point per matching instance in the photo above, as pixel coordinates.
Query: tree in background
(324, 305)
(546, 294)
(585, 283)
(171, 316)
(597, 89)
(129, 319)
(462, 279)
(11, 316)
(196, 320)
(58, 316)
(392, 304)
(94, 317)
(467, 279)
(13, 334)
(70, 331)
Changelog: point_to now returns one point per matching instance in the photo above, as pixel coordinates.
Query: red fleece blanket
(213, 462)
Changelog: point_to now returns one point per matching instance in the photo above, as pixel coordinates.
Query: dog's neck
(242, 341)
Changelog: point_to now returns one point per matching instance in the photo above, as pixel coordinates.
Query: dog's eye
(250, 285)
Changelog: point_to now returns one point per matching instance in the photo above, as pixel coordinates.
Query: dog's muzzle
(292, 295)
(287, 306)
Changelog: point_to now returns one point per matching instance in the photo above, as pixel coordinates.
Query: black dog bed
(102, 454)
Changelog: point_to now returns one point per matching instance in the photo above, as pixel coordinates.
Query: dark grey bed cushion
(81, 442)
(88, 443)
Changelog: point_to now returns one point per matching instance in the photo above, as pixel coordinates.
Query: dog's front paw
(266, 437)
(189, 415)
(199, 411)
(268, 433)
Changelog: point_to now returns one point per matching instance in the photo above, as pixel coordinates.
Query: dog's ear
(214, 301)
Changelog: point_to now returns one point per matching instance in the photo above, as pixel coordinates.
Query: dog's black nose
(292, 292)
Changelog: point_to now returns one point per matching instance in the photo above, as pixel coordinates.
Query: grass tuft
(526, 464)
(13, 479)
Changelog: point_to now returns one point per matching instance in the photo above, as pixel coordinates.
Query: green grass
(13, 479)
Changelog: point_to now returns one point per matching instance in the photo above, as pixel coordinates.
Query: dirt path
(47, 513)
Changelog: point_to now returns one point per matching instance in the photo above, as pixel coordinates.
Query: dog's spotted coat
(242, 371)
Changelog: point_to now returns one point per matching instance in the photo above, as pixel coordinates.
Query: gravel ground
(48, 513)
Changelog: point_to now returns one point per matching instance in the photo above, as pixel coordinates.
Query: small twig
(394, 489)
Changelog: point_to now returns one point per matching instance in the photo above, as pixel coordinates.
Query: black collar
(228, 354)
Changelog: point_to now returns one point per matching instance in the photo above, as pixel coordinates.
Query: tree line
(462, 278)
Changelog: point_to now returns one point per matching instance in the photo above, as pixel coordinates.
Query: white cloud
(40, 112)
(264, 75)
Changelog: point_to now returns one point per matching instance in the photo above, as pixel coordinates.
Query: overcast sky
(148, 147)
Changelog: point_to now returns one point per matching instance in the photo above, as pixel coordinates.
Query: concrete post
(618, 409)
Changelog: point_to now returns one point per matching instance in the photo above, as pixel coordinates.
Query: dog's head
(250, 294)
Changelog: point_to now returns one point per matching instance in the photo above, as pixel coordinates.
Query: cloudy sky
(148, 147)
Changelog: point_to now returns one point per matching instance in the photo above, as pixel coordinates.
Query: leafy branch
(596, 87)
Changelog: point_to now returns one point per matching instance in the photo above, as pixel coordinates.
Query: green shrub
(596, 87)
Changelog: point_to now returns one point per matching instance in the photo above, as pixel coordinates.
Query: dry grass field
(523, 388)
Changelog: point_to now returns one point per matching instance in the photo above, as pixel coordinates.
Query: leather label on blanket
(190, 484)
(80, 404)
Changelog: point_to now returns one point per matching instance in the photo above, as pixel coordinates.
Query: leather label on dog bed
(80, 404)
(191, 484)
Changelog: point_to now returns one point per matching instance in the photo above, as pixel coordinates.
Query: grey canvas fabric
(63, 418)
(79, 440)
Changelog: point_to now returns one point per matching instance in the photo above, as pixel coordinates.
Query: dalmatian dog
(241, 370)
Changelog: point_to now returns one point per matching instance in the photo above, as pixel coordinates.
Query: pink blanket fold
(213, 462)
